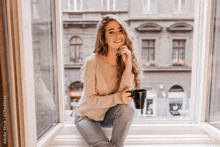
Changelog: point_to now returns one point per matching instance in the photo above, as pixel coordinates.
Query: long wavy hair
(102, 48)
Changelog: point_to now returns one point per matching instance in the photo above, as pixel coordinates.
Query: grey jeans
(119, 117)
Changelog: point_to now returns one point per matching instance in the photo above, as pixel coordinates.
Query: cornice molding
(149, 27)
(180, 27)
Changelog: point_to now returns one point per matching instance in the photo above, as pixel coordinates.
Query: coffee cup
(138, 96)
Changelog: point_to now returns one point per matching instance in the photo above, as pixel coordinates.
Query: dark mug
(139, 96)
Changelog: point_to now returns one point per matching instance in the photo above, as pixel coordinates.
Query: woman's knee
(127, 111)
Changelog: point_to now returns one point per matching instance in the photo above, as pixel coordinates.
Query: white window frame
(180, 39)
(27, 71)
(200, 78)
(202, 44)
(179, 7)
(77, 49)
(147, 49)
(108, 4)
(156, 45)
(75, 5)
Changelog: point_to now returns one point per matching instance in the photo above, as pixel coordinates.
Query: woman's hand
(126, 57)
(126, 96)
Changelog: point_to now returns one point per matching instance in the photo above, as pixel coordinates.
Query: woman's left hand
(126, 56)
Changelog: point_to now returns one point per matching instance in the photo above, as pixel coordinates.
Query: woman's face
(114, 35)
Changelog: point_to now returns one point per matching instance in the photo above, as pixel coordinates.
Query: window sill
(143, 135)
(50, 135)
(102, 11)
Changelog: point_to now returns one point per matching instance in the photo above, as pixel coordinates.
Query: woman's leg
(92, 132)
(121, 117)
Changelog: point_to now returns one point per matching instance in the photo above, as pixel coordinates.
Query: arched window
(176, 88)
(76, 89)
(77, 85)
(75, 50)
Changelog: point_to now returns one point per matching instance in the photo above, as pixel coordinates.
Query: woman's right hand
(126, 96)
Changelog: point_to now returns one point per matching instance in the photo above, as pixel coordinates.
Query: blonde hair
(102, 48)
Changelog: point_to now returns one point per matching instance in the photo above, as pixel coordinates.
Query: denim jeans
(119, 117)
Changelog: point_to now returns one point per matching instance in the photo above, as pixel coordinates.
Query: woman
(108, 74)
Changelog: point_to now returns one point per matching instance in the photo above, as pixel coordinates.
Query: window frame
(204, 37)
(200, 78)
(76, 47)
(25, 133)
(185, 44)
(75, 5)
(154, 48)
(179, 7)
(148, 7)
(108, 5)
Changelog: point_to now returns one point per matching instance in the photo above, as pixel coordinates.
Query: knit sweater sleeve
(93, 98)
(126, 81)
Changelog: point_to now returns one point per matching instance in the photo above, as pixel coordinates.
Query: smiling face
(114, 35)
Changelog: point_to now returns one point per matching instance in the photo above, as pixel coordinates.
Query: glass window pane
(104, 4)
(111, 5)
(145, 43)
(44, 68)
(71, 4)
(145, 55)
(35, 11)
(182, 8)
(181, 54)
(214, 102)
(73, 53)
(176, 7)
(151, 52)
(168, 51)
(152, 6)
(175, 55)
(145, 7)
(78, 4)
(182, 44)
(175, 44)
(151, 43)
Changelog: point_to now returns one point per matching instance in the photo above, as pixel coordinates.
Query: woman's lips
(118, 41)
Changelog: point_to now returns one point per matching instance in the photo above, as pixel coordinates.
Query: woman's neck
(111, 57)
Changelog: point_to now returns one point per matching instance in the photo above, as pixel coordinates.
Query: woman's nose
(117, 34)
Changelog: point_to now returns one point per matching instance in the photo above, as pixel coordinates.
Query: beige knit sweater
(99, 83)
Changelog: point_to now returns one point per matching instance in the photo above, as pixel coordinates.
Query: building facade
(163, 37)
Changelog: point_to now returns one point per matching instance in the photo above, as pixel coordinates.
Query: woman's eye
(111, 32)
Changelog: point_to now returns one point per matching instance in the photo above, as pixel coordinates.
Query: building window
(148, 52)
(148, 6)
(76, 89)
(179, 6)
(75, 50)
(37, 52)
(177, 100)
(108, 5)
(176, 88)
(75, 5)
(178, 52)
(35, 9)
